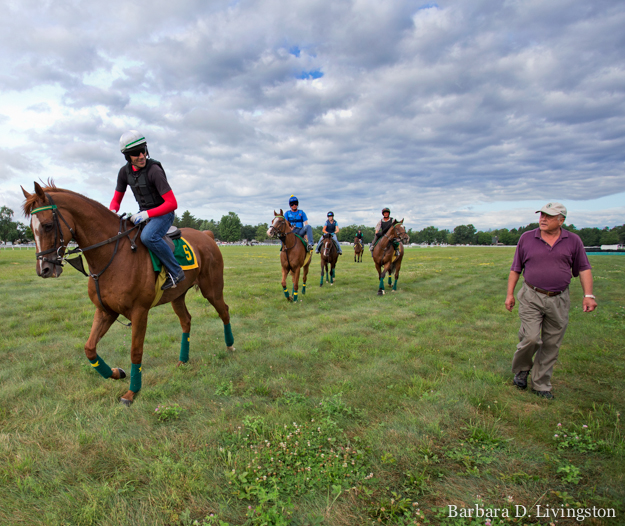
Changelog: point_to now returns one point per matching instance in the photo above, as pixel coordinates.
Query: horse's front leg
(102, 322)
(296, 282)
(323, 265)
(305, 278)
(285, 273)
(139, 320)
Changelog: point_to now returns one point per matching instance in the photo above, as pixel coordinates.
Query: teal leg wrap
(294, 295)
(286, 293)
(135, 378)
(390, 280)
(321, 282)
(100, 365)
(184, 348)
(382, 283)
(395, 285)
(228, 335)
(304, 288)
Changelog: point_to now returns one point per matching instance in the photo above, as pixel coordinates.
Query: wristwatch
(589, 296)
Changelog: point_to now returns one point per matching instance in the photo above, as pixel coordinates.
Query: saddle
(172, 234)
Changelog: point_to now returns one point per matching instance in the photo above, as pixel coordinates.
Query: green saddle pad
(184, 254)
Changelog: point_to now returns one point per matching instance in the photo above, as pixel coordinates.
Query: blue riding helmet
(293, 201)
(330, 214)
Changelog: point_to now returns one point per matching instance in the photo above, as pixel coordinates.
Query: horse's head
(400, 231)
(49, 233)
(279, 226)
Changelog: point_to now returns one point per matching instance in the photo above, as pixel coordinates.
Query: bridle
(282, 235)
(60, 247)
(327, 247)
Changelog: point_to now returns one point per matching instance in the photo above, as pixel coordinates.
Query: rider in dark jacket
(155, 197)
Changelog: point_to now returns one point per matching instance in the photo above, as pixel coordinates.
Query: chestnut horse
(386, 262)
(125, 279)
(358, 250)
(293, 256)
(329, 256)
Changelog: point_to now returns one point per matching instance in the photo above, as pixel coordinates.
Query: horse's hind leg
(102, 322)
(180, 308)
(213, 292)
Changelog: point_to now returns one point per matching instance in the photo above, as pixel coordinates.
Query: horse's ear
(281, 212)
(26, 194)
(39, 191)
(401, 222)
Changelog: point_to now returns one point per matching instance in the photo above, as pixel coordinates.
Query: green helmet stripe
(129, 145)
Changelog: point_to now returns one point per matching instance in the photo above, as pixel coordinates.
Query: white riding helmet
(131, 139)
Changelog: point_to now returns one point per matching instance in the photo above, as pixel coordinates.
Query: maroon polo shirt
(547, 267)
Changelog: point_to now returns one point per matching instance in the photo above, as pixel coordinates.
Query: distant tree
(248, 232)
(591, 237)
(212, 226)
(609, 237)
(8, 229)
(230, 227)
(464, 234)
(484, 238)
(347, 233)
(261, 231)
(188, 221)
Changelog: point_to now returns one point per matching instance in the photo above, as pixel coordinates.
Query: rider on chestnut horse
(331, 227)
(155, 197)
(382, 227)
(299, 221)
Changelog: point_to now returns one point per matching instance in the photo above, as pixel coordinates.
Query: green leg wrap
(294, 295)
(395, 285)
(390, 280)
(135, 378)
(100, 365)
(228, 335)
(382, 283)
(286, 293)
(304, 288)
(184, 348)
(321, 282)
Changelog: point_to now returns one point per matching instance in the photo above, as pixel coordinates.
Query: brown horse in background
(329, 256)
(358, 250)
(384, 257)
(293, 256)
(125, 282)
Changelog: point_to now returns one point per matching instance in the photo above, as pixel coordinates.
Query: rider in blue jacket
(331, 227)
(299, 221)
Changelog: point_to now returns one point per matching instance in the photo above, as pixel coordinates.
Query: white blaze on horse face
(35, 226)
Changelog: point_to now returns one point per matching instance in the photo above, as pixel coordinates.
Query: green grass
(408, 397)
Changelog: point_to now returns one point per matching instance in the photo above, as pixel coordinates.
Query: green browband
(41, 209)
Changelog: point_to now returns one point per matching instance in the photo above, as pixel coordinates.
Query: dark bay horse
(358, 250)
(329, 256)
(384, 257)
(294, 255)
(121, 279)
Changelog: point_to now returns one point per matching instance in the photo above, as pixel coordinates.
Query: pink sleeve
(117, 201)
(169, 205)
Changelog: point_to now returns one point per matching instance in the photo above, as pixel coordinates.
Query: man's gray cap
(553, 209)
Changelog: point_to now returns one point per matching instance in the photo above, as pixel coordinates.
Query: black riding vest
(385, 226)
(330, 227)
(146, 194)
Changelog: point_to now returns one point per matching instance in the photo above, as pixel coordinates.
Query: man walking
(547, 257)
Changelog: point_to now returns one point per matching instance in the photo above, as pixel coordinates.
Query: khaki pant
(543, 323)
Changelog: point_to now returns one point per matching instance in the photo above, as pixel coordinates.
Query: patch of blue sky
(295, 51)
(428, 6)
(314, 74)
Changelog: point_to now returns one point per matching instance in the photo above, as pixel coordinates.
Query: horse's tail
(209, 233)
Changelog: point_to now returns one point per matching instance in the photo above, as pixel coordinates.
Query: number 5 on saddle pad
(183, 252)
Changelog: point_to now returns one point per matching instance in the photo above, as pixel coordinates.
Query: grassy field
(344, 409)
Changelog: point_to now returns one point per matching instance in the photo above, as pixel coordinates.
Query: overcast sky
(449, 113)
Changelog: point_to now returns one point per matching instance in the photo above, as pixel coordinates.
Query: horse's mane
(50, 187)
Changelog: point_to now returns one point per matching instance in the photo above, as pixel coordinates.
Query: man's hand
(589, 304)
(140, 217)
(510, 302)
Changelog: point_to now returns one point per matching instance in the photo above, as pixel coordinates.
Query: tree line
(230, 228)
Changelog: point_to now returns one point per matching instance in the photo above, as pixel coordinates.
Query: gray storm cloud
(427, 108)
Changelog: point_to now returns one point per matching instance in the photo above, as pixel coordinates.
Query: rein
(282, 236)
(62, 252)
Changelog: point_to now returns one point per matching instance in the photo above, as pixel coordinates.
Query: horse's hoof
(122, 373)
(380, 292)
(231, 348)
(125, 402)
(180, 363)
